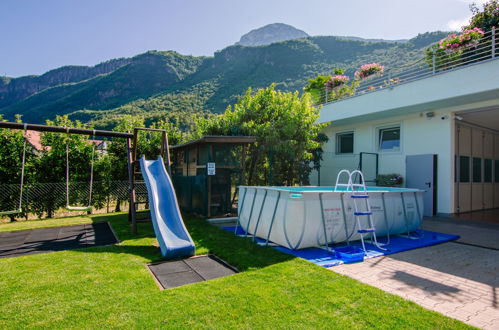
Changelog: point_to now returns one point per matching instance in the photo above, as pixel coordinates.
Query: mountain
(142, 76)
(13, 90)
(271, 33)
(167, 85)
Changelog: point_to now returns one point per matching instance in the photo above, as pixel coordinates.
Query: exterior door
(421, 174)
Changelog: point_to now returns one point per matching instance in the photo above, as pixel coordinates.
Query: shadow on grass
(239, 252)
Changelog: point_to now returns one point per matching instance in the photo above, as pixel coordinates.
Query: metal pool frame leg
(251, 213)
(386, 218)
(260, 215)
(417, 205)
(273, 217)
(405, 214)
(405, 217)
(242, 205)
(419, 214)
(344, 217)
(323, 221)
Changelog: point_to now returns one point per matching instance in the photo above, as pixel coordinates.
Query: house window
(389, 138)
(477, 170)
(344, 143)
(464, 169)
(487, 170)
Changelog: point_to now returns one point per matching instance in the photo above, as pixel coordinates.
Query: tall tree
(286, 130)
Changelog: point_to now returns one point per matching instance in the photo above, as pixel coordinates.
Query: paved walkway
(458, 280)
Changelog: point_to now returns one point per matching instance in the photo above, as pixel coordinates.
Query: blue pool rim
(302, 189)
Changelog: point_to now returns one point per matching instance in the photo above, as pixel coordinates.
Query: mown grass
(110, 287)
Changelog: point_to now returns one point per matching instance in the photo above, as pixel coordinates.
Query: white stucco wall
(418, 136)
(468, 88)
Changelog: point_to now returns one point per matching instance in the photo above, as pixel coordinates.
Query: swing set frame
(132, 156)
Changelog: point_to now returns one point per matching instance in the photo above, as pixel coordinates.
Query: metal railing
(487, 48)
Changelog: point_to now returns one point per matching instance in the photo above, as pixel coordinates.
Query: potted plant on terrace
(458, 42)
(369, 70)
(454, 49)
(336, 81)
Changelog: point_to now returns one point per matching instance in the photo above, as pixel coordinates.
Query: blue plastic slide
(173, 238)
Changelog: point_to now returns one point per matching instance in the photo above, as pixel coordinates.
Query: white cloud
(478, 2)
(457, 24)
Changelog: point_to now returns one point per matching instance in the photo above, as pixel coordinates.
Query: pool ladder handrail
(346, 185)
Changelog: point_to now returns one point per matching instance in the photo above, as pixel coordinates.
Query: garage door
(477, 168)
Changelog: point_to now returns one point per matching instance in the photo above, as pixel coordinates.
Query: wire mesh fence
(42, 200)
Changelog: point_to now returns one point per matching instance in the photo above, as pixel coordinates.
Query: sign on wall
(211, 168)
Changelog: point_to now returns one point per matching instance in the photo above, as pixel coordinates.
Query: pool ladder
(358, 192)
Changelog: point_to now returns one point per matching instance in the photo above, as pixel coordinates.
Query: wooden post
(165, 152)
(187, 160)
(132, 217)
(210, 159)
(243, 163)
(162, 146)
(134, 147)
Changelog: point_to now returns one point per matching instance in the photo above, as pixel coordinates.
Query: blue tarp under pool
(418, 239)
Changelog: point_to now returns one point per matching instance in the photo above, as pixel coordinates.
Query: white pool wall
(297, 223)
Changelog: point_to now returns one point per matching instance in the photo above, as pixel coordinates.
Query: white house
(440, 132)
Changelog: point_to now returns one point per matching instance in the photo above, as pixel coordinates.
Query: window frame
(338, 144)
(381, 129)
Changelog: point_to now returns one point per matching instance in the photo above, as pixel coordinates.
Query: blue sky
(37, 35)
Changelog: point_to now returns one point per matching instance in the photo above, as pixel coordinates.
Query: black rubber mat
(25, 242)
(171, 274)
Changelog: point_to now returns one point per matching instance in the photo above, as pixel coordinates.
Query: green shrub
(389, 180)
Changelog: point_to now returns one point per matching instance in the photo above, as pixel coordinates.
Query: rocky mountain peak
(271, 33)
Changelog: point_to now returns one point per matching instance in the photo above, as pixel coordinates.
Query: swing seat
(11, 212)
(79, 208)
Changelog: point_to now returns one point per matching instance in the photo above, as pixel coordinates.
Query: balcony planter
(456, 43)
(336, 81)
(369, 71)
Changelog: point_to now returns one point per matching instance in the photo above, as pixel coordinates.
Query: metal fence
(486, 49)
(41, 200)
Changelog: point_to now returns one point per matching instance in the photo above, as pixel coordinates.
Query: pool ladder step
(360, 196)
(363, 213)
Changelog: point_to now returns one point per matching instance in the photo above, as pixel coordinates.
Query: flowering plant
(368, 70)
(389, 180)
(457, 42)
(337, 80)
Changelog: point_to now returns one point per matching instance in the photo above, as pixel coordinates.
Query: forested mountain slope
(170, 85)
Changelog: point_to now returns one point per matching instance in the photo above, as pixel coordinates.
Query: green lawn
(109, 287)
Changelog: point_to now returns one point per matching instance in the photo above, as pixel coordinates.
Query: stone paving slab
(471, 232)
(457, 280)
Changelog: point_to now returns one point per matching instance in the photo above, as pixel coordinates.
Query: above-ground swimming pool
(302, 217)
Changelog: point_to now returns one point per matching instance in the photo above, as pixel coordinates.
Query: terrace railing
(487, 48)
